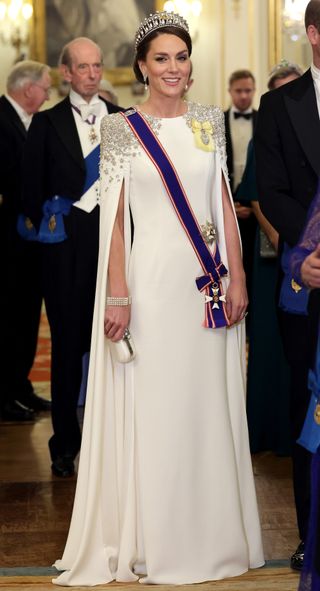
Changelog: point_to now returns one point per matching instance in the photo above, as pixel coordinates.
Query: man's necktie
(237, 115)
(90, 110)
(88, 113)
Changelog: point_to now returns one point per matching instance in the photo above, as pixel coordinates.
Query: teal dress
(268, 373)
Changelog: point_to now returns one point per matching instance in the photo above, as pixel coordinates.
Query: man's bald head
(81, 65)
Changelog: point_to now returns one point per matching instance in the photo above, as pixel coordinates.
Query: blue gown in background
(268, 378)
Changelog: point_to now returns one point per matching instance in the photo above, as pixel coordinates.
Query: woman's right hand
(116, 320)
(310, 269)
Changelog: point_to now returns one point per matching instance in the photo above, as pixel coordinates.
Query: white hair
(25, 72)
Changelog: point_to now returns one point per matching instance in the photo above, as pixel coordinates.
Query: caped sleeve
(117, 145)
(220, 136)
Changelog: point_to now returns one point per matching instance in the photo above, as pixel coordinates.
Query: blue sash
(293, 296)
(310, 434)
(52, 225)
(92, 168)
(52, 228)
(213, 268)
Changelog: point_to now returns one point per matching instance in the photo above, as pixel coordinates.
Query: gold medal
(317, 414)
(28, 224)
(295, 286)
(52, 223)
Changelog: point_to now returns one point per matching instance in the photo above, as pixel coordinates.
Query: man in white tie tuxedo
(28, 86)
(61, 198)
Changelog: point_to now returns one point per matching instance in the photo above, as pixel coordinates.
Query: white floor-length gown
(165, 489)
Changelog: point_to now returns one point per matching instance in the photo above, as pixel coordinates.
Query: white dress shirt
(315, 72)
(90, 199)
(23, 115)
(241, 134)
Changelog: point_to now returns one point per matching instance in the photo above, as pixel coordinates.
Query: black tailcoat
(20, 294)
(288, 167)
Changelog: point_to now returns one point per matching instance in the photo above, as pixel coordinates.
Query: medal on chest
(203, 135)
(93, 136)
(89, 119)
(317, 414)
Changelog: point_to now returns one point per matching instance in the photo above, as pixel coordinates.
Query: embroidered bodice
(119, 144)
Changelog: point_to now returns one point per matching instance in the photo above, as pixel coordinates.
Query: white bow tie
(88, 111)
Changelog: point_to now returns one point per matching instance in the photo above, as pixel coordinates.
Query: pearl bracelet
(119, 301)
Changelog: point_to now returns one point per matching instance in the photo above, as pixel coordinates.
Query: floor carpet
(272, 577)
(275, 576)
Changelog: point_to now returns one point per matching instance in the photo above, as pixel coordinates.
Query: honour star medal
(215, 298)
(317, 414)
(209, 232)
(295, 286)
(92, 135)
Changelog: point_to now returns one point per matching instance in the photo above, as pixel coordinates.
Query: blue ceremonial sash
(213, 268)
(293, 297)
(52, 225)
(310, 434)
(92, 168)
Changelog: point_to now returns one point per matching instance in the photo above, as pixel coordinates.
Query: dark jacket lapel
(12, 115)
(301, 104)
(62, 119)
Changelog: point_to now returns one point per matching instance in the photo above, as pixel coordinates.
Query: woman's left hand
(236, 300)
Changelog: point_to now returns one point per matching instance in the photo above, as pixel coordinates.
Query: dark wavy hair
(144, 46)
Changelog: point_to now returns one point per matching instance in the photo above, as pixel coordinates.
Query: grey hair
(25, 72)
(65, 58)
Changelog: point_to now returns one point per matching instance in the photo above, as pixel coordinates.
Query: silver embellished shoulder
(118, 143)
(213, 115)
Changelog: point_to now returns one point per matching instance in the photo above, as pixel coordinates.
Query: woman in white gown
(165, 490)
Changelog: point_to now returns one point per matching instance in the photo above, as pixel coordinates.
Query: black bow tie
(237, 114)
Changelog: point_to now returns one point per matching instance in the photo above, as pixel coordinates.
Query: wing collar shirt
(241, 134)
(22, 114)
(315, 73)
(88, 126)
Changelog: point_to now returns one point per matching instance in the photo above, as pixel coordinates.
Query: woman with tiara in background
(165, 490)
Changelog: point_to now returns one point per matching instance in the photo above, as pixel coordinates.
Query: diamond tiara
(284, 64)
(158, 20)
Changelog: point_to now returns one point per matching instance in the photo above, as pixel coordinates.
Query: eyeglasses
(47, 90)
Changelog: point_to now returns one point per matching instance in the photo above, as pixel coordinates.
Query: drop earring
(145, 78)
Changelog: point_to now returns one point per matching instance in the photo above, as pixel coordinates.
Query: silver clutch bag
(124, 350)
(267, 250)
